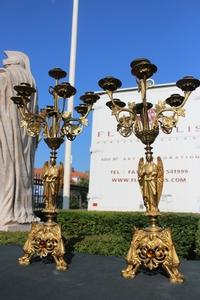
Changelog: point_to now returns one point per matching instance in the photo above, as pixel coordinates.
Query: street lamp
(54, 125)
(153, 246)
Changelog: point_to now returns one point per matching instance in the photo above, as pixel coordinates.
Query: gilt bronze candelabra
(53, 124)
(151, 247)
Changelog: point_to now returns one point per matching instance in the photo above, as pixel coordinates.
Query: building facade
(114, 159)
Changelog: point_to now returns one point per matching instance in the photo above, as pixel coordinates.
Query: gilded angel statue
(52, 180)
(151, 177)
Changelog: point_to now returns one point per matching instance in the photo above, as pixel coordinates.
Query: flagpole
(72, 67)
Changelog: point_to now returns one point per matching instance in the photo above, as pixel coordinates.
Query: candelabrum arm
(73, 126)
(115, 107)
(167, 121)
(125, 116)
(84, 117)
(186, 96)
(33, 123)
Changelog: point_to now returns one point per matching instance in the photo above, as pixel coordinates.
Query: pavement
(89, 277)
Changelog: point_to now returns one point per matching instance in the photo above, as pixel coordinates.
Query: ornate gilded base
(152, 248)
(45, 239)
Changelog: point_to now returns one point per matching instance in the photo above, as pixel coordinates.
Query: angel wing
(45, 168)
(160, 177)
(140, 168)
(61, 174)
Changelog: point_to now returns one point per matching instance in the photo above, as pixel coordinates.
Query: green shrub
(104, 244)
(184, 227)
(110, 233)
(81, 223)
(84, 224)
(197, 250)
(17, 238)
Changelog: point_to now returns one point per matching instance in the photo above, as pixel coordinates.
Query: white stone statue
(17, 149)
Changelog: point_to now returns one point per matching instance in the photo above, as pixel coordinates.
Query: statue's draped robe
(16, 150)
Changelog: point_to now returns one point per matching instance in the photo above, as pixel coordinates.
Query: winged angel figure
(151, 177)
(53, 181)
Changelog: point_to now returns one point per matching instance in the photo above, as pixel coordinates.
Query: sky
(111, 33)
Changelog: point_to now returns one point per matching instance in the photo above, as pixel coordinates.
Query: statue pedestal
(16, 227)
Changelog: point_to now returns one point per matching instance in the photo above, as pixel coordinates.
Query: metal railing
(78, 195)
(37, 195)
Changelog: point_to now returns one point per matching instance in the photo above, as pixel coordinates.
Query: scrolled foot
(176, 280)
(176, 277)
(129, 272)
(61, 265)
(24, 260)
